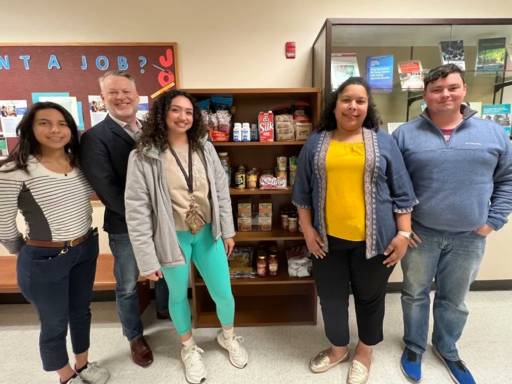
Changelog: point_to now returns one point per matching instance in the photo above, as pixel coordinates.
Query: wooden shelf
(257, 143)
(251, 192)
(262, 300)
(268, 236)
(281, 278)
(264, 310)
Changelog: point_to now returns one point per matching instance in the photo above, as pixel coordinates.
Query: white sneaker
(237, 354)
(195, 371)
(94, 374)
(76, 380)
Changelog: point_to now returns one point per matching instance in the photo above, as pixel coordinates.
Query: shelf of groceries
(258, 134)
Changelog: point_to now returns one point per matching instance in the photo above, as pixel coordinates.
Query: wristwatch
(407, 235)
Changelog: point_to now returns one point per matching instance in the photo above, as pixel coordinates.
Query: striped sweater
(56, 207)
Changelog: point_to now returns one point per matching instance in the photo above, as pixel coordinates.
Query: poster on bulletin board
(68, 74)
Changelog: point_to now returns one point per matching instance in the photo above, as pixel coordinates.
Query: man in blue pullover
(461, 169)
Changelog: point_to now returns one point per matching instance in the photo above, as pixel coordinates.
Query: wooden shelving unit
(262, 300)
(255, 192)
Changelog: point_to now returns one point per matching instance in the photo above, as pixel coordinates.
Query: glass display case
(392, 54)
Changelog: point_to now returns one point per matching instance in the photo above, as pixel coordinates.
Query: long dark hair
(154, 130)
(28, 145)
(328, 120)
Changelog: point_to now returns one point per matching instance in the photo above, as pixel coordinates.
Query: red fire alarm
(290, 50)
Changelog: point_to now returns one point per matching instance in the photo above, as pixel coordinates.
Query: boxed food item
(244, 224)
(265, 209)
(266, 126)
(302, 130)
(265, 223)
(284, 127)
(303, 126)
(244, 209)
(240, 262)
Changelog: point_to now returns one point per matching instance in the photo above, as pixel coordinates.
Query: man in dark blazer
(104, 159)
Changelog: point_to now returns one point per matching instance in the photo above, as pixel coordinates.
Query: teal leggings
(209, 257)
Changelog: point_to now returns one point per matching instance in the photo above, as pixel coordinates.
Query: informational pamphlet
(452, 52)
(411, 75)
(142, 112)
(500, 114)
(4, 150)
(11, 113)
(379, 72)
(343, 66)
(97, 109)
(491, 55)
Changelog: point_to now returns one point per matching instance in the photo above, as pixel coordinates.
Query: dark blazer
(104, 151)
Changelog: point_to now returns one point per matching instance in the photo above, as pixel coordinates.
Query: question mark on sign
(142, 63)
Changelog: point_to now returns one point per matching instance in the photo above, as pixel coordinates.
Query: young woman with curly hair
(178, 211)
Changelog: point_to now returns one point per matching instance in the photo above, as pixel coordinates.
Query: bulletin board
(75, 68)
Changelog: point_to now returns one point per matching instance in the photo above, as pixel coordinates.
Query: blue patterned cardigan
(387, 186)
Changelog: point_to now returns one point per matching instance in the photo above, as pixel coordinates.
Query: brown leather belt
(60, 244)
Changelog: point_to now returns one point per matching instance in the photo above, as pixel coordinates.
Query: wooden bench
(104, 280)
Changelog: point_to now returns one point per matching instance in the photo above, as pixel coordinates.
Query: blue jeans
(59, 285)
(452, 260)
(126, 273)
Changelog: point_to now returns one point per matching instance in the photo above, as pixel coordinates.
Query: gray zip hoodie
(149, 214)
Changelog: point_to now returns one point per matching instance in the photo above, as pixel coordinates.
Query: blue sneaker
(457, 369)
(410, 362)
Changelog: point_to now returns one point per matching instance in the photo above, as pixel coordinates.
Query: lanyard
(188, 178)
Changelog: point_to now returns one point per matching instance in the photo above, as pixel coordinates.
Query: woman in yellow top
(354, 199)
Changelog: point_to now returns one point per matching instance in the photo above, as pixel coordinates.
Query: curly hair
(28, 145)
(328, 120)
(154, 129)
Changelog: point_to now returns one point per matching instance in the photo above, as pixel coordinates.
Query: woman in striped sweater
(57, 258)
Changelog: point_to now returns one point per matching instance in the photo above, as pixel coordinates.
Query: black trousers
(60, 287)
(346, 265)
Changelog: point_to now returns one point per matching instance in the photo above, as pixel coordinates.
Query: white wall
(226, 44)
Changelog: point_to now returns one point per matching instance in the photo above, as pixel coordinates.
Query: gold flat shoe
(357, 373)
(321, 362)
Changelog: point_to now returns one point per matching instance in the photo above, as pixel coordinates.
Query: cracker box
(265, 209)
(266, 126)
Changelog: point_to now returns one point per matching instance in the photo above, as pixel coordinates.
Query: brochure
(11, 113)
(491, 55)
(4, 149)
(343, 66)
(500, 114)
(379, 72)
(452, 52)
(411, 75)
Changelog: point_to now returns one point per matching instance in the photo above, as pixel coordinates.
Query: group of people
(427, 197)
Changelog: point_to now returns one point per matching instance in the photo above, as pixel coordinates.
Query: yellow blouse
(344, 206)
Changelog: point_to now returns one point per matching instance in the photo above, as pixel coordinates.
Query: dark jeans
(345, 264)
(127, 275)
(60, 287)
